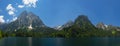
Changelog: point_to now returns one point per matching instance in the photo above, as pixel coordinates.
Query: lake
(29, 41)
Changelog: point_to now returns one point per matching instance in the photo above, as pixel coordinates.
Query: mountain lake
(30, 41)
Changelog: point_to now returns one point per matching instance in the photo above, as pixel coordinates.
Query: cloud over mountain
(1, 19)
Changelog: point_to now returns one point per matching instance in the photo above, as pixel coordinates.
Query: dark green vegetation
(62, 33)
(70, 32)
(81, 27)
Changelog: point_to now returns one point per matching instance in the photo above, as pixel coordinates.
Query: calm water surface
(29, 41)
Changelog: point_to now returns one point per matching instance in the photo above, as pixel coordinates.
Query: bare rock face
(25, 19)
(101, 25)
(107, 27)
(68, 24)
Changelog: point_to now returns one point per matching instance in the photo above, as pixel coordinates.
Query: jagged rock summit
(25, 20)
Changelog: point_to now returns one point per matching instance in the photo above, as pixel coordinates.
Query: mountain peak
(82, 21)
(26, 19)
(82, 18)
(25, 14)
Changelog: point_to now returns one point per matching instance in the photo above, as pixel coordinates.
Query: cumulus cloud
(20, 6)
(11, 13)
(14, 18)
(28, 3)
(1, 19)
(11, 10)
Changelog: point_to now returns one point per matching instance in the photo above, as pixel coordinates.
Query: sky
(58, 12)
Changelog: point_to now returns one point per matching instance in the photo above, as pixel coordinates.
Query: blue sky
(58, 12)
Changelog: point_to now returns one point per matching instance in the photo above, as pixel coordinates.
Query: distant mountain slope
(3, 26)
(107, 27)
(101, 25)
(68, 24)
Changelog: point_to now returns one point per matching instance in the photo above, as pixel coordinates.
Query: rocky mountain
(101, 25)
(107, 27)
(82, 21)
(68, 24)
(26, 20)
(58, 27)
(80, 27)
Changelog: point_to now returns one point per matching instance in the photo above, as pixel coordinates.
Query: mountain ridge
(29, 19)
(30, 25)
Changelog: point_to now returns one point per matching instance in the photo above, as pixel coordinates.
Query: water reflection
(52, 41)
(29, 41)
(59, 42)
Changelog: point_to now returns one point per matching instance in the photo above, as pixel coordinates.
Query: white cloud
(1, 19)
(9, 7)
(14, 18)
(30, 3)
(11, 10)
(20, 6)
